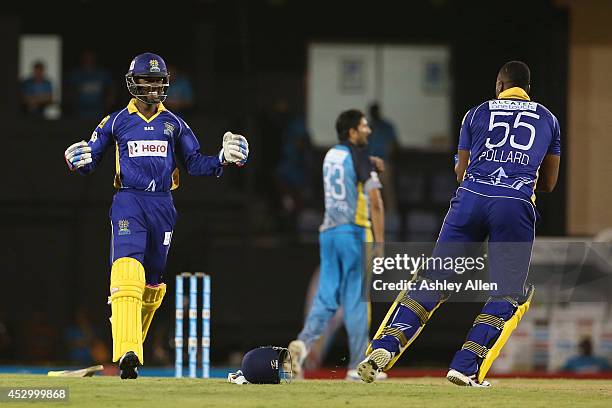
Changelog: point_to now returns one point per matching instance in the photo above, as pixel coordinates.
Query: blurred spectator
(40, 338)
(180, 92)
(383, 143)
(84, 344)
(36, 91)
(586, 362)
(293, 170)
(90, 88)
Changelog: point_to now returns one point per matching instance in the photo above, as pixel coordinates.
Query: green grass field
(418, 392)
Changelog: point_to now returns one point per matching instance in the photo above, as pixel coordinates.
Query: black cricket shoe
(128, 365)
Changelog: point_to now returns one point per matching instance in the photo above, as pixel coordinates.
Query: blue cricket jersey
(146, 150)
(348, 177)
(508, 139)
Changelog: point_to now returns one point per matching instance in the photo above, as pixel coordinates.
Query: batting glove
(235, 149)
(78, 155)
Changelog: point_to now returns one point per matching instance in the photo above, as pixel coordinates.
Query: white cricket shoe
(353, 375)
(369, 368)
(463, 380)
(297, 350)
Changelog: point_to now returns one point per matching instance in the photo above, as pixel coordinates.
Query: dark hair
(346, 121)
(516, 73)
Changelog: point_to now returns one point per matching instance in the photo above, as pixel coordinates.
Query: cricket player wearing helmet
(147, 139)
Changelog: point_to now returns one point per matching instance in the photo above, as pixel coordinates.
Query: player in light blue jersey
(352, 197)
(148, 141)
(509, 147)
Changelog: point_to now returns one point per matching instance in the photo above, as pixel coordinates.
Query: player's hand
(378, 163)
(235, 149)
(78, 155)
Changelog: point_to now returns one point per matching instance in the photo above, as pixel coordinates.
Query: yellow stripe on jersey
(117, 181)
(535, 183)
(103, 122)
(133, 109)
(361, 212)
(175, 179)
(514, 93)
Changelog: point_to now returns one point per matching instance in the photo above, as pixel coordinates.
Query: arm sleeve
(465, 134)
(366, 173)
(372, 183)
(100, 140)
(555, 143)
(188, 149)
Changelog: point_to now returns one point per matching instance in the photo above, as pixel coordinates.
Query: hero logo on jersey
(148, 148)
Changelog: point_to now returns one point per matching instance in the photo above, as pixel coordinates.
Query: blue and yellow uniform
(348, 176)
(508, 138)
(146, 153)
(142, 213)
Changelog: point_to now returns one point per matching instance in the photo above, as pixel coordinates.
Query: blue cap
(264, 365)
(148, 65)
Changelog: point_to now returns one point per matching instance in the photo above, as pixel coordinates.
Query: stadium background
(243, 56)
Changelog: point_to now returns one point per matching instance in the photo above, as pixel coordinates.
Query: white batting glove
(235, 149)
(78, 155)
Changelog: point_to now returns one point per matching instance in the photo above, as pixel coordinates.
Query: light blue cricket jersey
(348, 177)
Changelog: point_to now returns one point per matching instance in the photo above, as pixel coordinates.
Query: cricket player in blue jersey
(148, 140)
(352, 195)
(509, 147)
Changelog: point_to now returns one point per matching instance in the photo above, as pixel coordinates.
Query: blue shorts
(507, 219)
(141, 228)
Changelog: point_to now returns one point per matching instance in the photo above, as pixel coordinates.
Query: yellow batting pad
(151, 300)
(383, 324)
(126, 291)
(404, 342)
(510, 325)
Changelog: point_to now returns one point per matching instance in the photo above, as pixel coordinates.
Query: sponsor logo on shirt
(505, 104)
(124, 227)
(168, 129)
(148, 148)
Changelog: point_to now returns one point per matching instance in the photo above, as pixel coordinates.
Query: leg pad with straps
(151, 300)
(404, 321)
(126, 289)
(490, 332)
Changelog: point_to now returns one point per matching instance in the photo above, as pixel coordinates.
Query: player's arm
(465, 145)
(549, 169)
(378, 214)
(548, 174)
(367, 174)
(378, 163)
(463, 157)
(234, 150)
(83, 157)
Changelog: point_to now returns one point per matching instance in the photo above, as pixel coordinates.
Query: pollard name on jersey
(508, 139)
